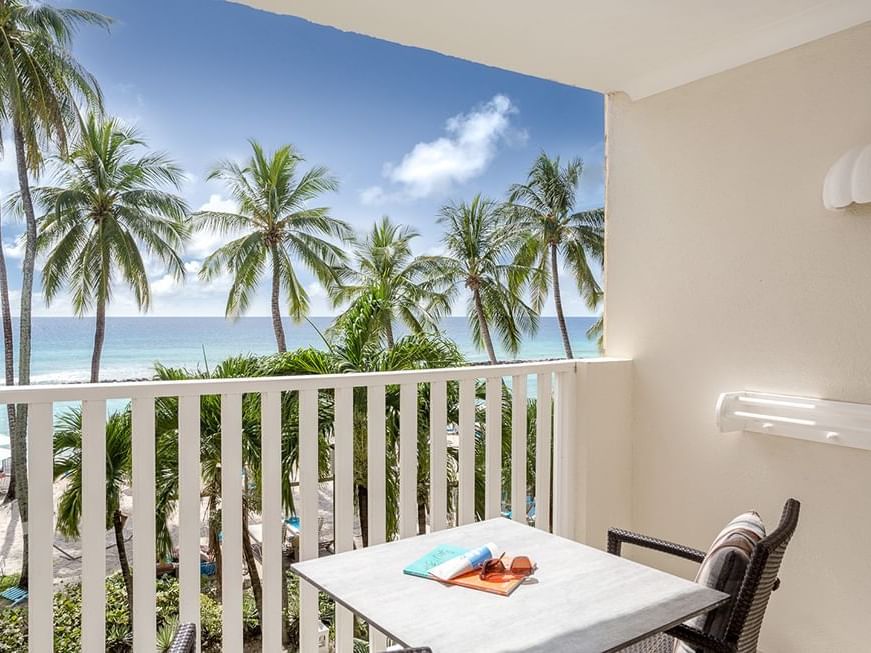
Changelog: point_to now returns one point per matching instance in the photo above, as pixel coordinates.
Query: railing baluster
(144, 602)
(93, 525)
(189, 510)
(377, 475)
(543, 419)
(376, 482)
(308, 513)
(493, 450)
(466, 479)
(564, 456)
(407, 459)
(231, 521)
(438, 455)
(518, 448)
(343, 496)
(40, 528)
(270, 460)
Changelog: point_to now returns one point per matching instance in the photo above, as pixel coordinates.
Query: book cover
(434, 558)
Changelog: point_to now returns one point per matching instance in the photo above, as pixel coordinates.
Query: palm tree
(481, 242)
(108, 208)
(8, 345)
(68, 466)
(383, 262)
(545, 206)
(277, 225)
(40, 86)
(356, 350)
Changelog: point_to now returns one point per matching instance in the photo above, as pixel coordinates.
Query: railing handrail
(196, 387)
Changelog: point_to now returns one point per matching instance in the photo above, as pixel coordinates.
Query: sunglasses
(520, 566)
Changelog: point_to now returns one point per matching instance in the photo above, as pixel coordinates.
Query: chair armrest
(185, 639)
(696, 638)
(617, 536)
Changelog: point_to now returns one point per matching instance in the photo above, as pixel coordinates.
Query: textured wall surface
(724, 272)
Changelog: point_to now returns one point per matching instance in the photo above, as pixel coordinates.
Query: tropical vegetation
(275, 226)
(107, 213)
(408, 288)
(553, 233)
(481, 246)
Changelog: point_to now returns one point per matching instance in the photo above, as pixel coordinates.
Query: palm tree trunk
(251, 563)
(118, 525)
(214, 541)
(363, 512)
(8, 353)
(558, 302)
(388, 334)
(19, 435)
(99, 337)
(421, 517)
(276, 303)
(482, 325)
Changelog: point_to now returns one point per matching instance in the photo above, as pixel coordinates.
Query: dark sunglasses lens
(521, 565)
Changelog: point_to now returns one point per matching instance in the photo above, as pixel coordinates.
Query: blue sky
(405, 130)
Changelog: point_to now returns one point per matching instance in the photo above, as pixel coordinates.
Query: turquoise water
(62, 346)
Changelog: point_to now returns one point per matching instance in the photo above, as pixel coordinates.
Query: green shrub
(68, 622)
(8, 581)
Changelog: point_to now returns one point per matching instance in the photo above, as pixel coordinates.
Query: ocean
(62, 345)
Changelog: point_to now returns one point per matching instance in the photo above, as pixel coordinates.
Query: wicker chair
(748, 607)
(185, 639)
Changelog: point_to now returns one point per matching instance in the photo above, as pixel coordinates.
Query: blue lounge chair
(14, 595)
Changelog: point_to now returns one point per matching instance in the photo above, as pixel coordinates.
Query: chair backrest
(745, 622)
(185, 640)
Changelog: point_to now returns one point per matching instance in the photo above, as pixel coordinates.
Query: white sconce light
(817, 420)
(848, 181)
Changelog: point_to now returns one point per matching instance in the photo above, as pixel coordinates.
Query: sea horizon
(62, 346)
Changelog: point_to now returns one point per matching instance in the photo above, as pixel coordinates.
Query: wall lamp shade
(817, 420)
(848, 181)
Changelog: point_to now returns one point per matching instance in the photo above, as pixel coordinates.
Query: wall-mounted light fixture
(849, 179)
(818, 420)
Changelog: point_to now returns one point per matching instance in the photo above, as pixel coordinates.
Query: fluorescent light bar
(839, 423)
(775, 418)
(775, 402)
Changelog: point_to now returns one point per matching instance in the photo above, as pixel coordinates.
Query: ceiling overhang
(638, 47)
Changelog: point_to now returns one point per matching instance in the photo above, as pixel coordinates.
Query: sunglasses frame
(486, 571)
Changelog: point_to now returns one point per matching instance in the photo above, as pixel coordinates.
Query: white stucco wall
(724, 272)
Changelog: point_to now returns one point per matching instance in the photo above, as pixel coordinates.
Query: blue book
(437, 556)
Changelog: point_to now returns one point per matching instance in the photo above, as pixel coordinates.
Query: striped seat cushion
(723, 569)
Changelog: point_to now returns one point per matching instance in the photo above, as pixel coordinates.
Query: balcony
(464, 435)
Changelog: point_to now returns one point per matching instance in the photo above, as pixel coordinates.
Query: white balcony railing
(554, 388)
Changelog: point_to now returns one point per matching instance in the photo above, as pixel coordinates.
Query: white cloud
(14, 249)
(470, 144)
(372, 196)
(8, 173)
(205, 241)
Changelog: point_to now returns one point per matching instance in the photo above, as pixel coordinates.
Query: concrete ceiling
(640, 47)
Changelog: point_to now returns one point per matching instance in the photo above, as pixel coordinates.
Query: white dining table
(580, 599)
